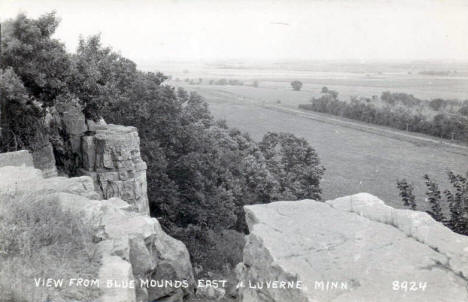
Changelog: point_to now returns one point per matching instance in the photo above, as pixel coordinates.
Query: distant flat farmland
(356, 160)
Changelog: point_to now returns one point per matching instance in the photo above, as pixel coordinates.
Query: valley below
(358, 157)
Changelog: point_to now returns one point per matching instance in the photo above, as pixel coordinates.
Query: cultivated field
(358, 157)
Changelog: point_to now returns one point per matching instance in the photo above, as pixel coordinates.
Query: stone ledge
(313, 241)
(18, 159)
(131, 244)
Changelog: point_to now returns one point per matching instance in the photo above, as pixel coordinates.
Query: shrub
(406, 193)
(434, 197)
(457, 200)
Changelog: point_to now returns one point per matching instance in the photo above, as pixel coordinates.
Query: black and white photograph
(234, 151)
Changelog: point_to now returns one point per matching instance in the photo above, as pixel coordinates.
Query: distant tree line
(437, 104)
(200, 172)
(456, 199)
(222, 82)
(437, 73)
(443, 125)
(219, 82)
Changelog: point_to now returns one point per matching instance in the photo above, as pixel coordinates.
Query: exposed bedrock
(131, 245)
(354, 248)
(111, 156)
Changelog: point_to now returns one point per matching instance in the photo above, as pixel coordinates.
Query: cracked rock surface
(111, 156)
(357, 247)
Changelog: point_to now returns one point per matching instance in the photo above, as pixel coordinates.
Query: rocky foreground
(130, 244)
(352, 249)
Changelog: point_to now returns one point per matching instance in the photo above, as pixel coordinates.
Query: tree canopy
(200, 172)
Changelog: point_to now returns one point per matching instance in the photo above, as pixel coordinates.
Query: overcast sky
(154, 30)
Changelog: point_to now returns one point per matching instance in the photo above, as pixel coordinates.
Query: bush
(406, 193)
(457, 200)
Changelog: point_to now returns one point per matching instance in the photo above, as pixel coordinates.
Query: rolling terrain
(358, 157)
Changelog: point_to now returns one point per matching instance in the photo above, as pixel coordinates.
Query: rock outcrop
(131, 245)
(20, 158)
(44, 160)
(353, 249)
(111, 156)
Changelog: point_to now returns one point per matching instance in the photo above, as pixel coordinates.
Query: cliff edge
(129, 244)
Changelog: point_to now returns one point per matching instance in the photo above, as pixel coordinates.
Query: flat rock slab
(337, 254)
(18, 159)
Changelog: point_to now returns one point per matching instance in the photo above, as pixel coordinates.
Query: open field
(349, 79)
(358, 157)
(356, 160)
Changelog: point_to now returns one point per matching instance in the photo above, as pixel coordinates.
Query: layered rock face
(45, 161)
(131, 245)
(111, 156)
(350, 249)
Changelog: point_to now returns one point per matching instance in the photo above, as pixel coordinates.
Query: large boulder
(350, 249)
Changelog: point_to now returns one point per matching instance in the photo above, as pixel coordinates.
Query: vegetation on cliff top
(200, 172)
(455, 200)
(39, 240)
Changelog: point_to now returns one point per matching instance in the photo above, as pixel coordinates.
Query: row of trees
(200, 172)
(442, 125)
(219, 82)
(456, 199)
(222, 82)
(437, 104)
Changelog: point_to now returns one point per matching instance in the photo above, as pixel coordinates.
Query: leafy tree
(434, 198)
(200, 172)
(406, 193)
(39, 61)
(463, 111)
(324, 89)
(296, 85)
(454, 127)
(20, 115)
(436, 104)
(294, 163)
(333, 94)
(35, 70)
